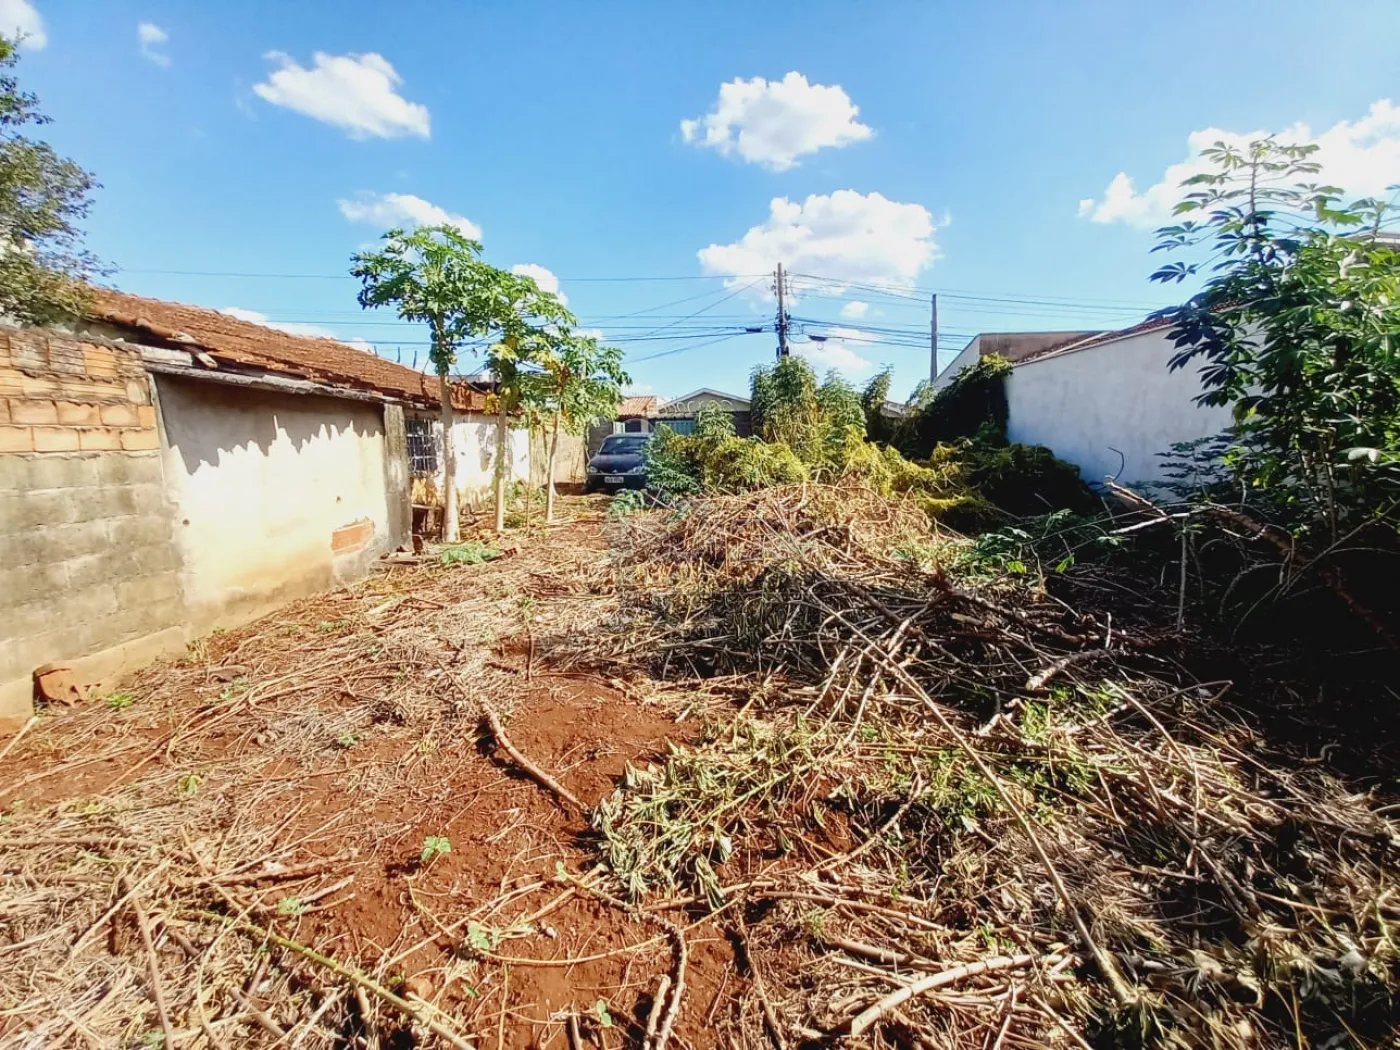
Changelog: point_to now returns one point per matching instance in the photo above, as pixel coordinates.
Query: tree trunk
(549, 476)
(451, 525)
(501, 465)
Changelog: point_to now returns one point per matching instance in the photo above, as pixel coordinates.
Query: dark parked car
(620, 464)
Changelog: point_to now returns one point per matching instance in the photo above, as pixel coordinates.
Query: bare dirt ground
(295, 774)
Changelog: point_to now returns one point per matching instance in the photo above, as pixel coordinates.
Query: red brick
(120, 415)
(352, 537)
(11, 382)
(16, 439)
(99, 439)
(140, 440)
(55, 439)
(76, 414)
(146, 415)
(34, 412)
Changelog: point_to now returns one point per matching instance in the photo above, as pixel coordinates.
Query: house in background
(1013, 346)
(642, 415)
(679, 413)
(166, 469)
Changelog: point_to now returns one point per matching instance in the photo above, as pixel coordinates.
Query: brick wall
(89, 566)
(63, 395)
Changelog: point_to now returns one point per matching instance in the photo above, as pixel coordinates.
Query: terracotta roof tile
(638, 406)
(227, 339)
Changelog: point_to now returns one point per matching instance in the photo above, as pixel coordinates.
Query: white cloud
(152, 37)
(1361, 156)
(836, 352)
(19, 18)
(543, 277)
(293, 327)
(855, 309)
(404, 209)
(846, 236)
(772, 123)
(358, 93)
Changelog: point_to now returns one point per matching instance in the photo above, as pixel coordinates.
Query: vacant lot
(787, 767)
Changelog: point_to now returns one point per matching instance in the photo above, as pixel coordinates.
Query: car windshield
(623, 444)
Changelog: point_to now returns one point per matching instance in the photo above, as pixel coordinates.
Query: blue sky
(890, 149)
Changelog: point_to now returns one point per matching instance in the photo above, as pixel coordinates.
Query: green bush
(973, 404)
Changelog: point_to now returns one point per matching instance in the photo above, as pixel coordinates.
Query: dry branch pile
(971, 815)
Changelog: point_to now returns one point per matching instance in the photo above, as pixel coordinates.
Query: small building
(1013, 346)
(679, 413)
(167, 469)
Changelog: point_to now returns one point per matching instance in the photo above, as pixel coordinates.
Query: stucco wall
(275, 495)
(1112, 408)
(474, 453)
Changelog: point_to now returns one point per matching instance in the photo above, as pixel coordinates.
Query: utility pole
(782, 317)
(933, 338)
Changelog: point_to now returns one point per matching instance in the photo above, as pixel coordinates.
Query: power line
(350, 277)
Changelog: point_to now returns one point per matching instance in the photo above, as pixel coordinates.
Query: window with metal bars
(422, 447)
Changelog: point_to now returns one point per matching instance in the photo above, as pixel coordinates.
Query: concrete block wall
(89, 571)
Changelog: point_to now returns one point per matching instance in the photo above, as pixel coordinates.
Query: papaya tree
(578, 382)
(434, 275)
(524, 318)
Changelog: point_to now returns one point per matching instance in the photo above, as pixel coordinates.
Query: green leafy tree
(1297, 329)
(43, 268)
(526, 322)
(434, 275)
(879, 426)
(579, 381)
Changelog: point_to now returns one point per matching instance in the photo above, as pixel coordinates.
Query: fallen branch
(535, 772)
(355, 977)
(157, 989)
(493, 720)
(867, 1017)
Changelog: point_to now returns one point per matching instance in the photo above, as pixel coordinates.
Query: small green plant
(626, 503)
(472, 552)
(120, 701)
(601, 1015)
(327, 626)
(434, 846)
(293, 906)
(189, 785)
(234, 689)
(482, 938)
(347, 740)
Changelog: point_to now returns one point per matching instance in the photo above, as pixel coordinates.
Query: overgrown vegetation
(941, 763)
(819, 431)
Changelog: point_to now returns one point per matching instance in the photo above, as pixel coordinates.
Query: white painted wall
(1119, 396)
(260, 483)
(474, 444)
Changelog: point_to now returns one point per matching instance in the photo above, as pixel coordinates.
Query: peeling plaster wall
(275, 496)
